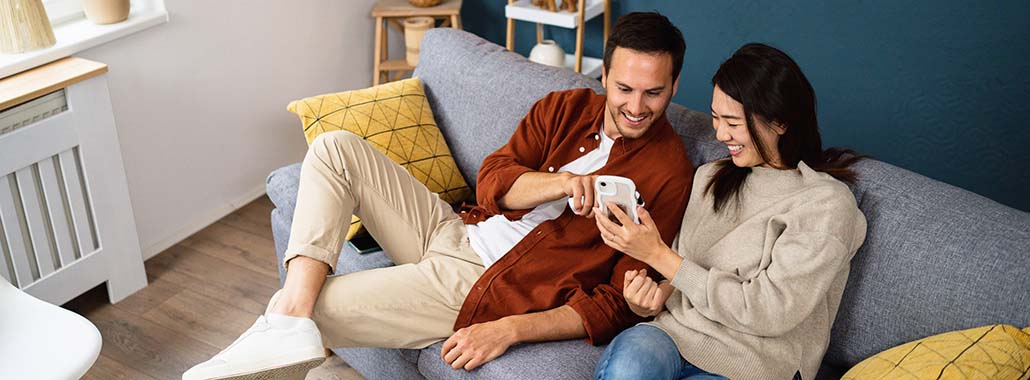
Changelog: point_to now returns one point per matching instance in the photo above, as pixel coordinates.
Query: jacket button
(597, 137)
(550, 169)
(582, 149)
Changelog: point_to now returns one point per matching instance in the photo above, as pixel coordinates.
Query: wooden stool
(392, 11)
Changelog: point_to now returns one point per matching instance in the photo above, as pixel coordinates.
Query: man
(527, 264)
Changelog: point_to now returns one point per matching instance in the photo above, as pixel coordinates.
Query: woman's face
(731, 129)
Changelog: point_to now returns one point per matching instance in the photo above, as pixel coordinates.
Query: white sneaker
(275, 347)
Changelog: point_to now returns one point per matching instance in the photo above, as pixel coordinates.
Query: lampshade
(24, 26)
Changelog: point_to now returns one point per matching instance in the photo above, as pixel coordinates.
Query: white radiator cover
(66, 222)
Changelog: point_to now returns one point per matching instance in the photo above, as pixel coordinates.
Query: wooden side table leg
(377, 52)
(456, 21)
(539, 32)
(511, 31)
(607, 20)
(579, 37)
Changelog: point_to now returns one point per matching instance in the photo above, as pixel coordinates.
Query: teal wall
(938, 87)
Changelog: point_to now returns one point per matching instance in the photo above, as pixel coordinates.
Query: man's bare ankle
(285, 306)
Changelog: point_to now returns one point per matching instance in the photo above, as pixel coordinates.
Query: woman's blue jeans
(646, 352)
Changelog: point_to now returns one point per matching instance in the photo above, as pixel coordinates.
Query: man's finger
(634, 286)
(577, 195)
(657, 301)
(472, 364)
(630, 275)
(619, 214)
(651, 289)
(588, 195)
(461, 361)
(447, 346)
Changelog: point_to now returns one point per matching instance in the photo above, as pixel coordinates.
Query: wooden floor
(202, 293)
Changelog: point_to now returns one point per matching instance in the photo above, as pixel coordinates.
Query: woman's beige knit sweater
(760, 283)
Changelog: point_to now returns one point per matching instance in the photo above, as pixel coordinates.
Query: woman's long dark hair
(773, 90)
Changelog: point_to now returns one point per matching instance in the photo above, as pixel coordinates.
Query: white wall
(200, 102)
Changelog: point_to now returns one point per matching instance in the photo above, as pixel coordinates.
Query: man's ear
(604, 74)
(675, 85)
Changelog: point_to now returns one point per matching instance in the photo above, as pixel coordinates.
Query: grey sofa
(936, 258)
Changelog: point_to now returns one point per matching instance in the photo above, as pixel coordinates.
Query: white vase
(103, 12)
(548, 52)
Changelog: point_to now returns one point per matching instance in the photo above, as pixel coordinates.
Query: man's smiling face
(639, 87)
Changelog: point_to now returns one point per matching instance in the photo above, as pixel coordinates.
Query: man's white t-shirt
(494, 237)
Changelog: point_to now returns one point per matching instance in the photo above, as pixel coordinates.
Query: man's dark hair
(646, 32)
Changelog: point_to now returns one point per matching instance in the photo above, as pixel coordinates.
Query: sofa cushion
(569, 359)
(396, 119)
(1000, 352)
(936, 258)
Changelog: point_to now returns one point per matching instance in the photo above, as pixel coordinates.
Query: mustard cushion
(396, 119)
(988, 352)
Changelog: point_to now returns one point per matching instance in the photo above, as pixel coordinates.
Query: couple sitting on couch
(748, 288)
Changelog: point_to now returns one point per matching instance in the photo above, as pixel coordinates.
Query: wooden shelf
(523, 10)
(395, 64)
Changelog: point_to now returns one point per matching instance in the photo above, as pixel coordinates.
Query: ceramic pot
(414, 29)
(103, 12)
(548, 52)
(24, 26)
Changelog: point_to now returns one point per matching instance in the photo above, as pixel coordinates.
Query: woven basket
(424, 3)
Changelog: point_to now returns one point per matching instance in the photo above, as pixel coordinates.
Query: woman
(761, 260)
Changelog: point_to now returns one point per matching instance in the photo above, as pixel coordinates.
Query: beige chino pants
(411, 305)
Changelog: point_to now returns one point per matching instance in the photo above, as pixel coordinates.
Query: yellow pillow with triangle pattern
(988, 352)
(394, 118)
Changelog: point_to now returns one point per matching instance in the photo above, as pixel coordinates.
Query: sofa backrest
(936, 258)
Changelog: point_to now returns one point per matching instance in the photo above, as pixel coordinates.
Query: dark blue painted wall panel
(937, 87)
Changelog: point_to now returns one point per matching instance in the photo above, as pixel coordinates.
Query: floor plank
(157, 291)
(210, 276)
(199, 317)
(260, 262)
(254, 218)
(202, 293)
(150, 348)
(109, 369)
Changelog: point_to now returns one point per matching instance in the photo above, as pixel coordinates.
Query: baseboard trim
(202, 222)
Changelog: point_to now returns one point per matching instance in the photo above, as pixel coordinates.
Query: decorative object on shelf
(424, 3)
(414, 29)
(545, 4)
(24, 26)
(573, 15)
(548, 52)
(103, 12)
(568, 6)
(549, 5)
(392, 13)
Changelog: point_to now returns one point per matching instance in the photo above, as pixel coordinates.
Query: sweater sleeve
(525, 151)
(808, 248)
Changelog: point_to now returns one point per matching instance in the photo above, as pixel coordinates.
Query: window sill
(81, 34)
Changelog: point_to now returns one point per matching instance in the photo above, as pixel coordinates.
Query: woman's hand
(645, 297)
(640, 241)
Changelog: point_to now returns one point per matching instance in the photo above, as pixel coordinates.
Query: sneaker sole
(297, 370)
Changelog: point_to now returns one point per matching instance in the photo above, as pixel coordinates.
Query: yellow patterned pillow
(396, 119)
(989, 352)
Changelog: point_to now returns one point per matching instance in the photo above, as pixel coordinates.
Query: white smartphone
(620, 190)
